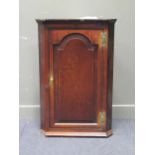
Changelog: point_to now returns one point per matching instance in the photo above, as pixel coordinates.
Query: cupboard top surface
(75, 20)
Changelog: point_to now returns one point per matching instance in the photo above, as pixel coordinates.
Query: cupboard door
(74, 68)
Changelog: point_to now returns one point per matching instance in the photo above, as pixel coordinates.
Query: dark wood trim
(62, 21)
(78, 134)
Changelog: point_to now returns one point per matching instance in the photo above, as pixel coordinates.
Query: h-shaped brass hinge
(104, 38)
(102, 119)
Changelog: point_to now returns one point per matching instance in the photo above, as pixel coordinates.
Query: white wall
(124, 60)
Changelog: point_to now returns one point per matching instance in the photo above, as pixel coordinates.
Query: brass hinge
(104, 39)
(102, 119)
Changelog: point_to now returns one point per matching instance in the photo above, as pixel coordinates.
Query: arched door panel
(75, 81)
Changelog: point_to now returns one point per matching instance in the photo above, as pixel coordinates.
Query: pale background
(124, 60)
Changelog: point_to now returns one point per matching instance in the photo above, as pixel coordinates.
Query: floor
(33, 142)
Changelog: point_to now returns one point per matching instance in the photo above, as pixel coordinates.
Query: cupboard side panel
(110, 75)
(44, 76)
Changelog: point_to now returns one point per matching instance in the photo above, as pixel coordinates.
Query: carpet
(33, 142)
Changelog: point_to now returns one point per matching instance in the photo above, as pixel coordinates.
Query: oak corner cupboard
(76, 74)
